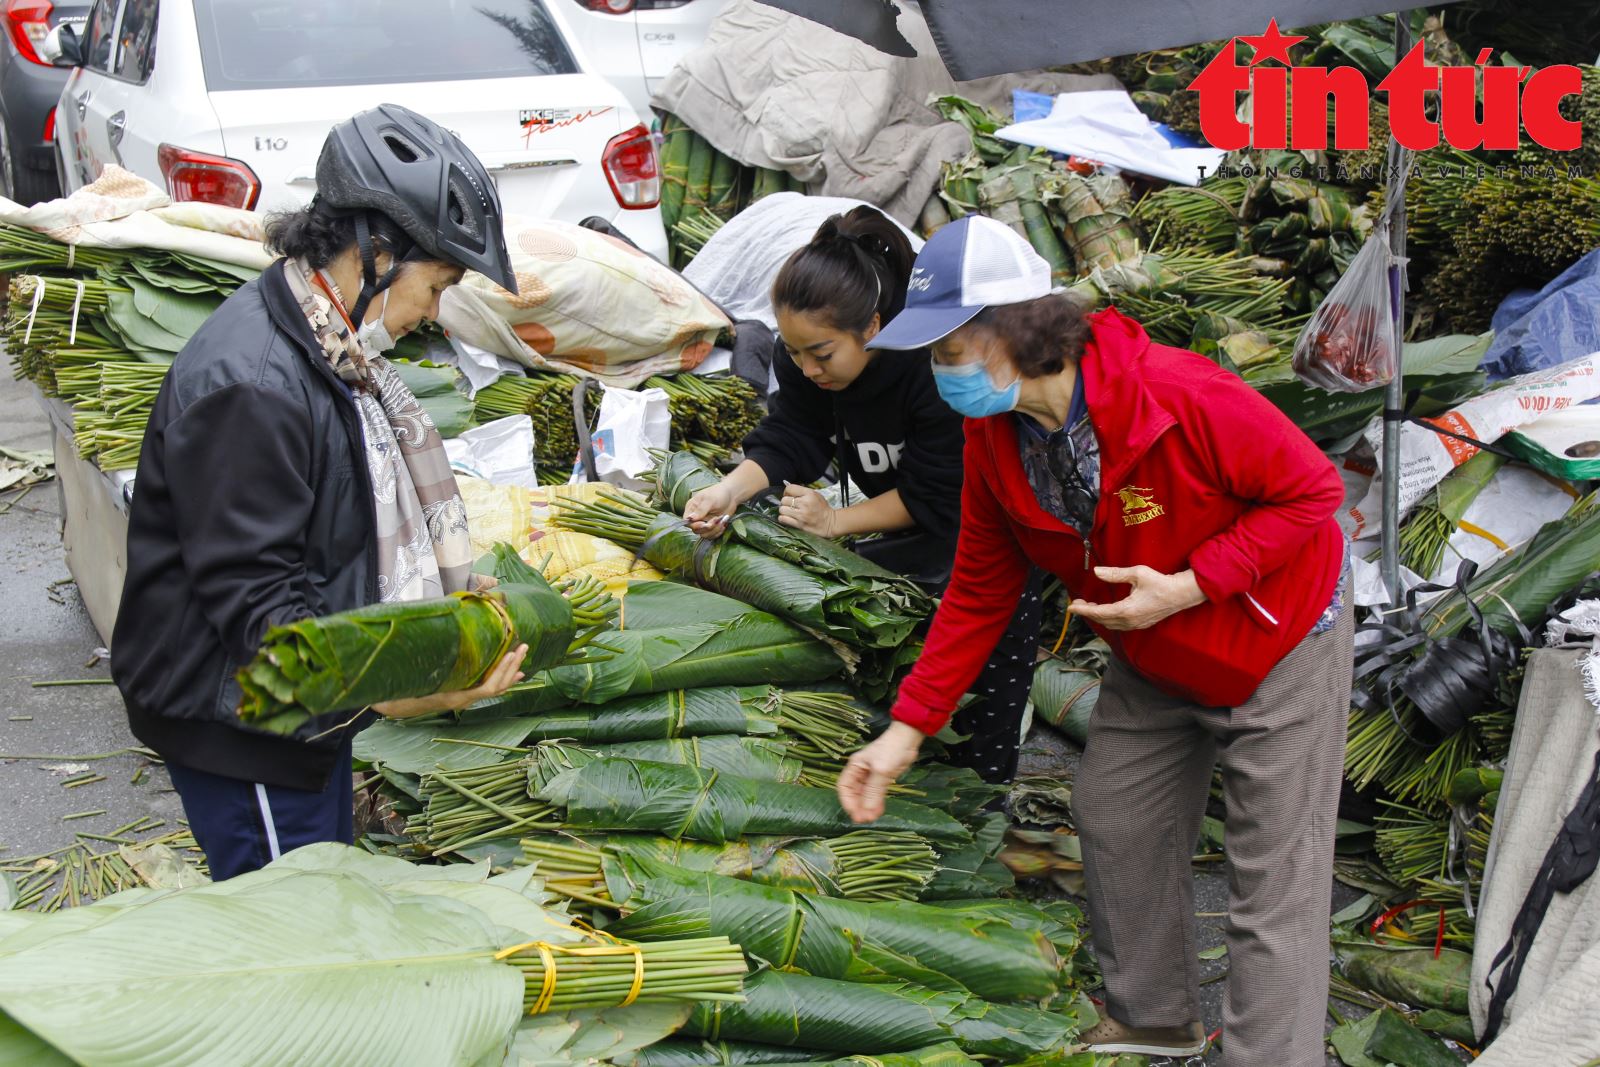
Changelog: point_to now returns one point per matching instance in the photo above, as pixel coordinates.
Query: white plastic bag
(499, 452)
(632, 422)
(1351, 343)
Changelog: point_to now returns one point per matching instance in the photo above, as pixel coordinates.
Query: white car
(636, 43)
(229, 101)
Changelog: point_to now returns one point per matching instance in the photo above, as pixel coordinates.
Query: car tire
(20, 182)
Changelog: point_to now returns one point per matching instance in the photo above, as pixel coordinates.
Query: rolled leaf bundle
(1413, 976)
(354, 659)
(679, 802)
(863, 865)
(1065, 690)
(751, 648)
(819, 585)
(941, 948)
(845, 1016)
(1059, 921)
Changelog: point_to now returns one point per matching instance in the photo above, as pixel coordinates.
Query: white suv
(229, 101)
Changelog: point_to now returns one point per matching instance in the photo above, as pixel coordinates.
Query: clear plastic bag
(1351, 343)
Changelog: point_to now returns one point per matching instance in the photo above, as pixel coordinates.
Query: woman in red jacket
(1193, 524)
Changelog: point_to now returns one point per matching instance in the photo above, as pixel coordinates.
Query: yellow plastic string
(1479, 531)
(547, 952)
(1062, 639)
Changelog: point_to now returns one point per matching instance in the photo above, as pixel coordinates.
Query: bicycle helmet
(422, 177)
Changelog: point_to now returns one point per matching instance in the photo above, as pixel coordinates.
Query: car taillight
(632, 169)
(49, 126)
(28, 22)
(210, 179)
(610, 7)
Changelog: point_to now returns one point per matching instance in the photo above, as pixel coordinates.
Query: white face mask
(374, 334)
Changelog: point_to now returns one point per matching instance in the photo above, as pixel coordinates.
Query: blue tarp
(1533, 331)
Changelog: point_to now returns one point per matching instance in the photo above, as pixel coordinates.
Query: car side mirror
(61, 47)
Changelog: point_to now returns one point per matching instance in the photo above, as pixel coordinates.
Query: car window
(268, 44)
(136, 51)
(98, 44)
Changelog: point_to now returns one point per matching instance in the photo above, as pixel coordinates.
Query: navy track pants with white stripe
(242, 826)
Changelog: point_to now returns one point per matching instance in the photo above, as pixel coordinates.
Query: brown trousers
(1139, 799)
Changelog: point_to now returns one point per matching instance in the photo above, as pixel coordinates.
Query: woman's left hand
(1155, 596)
(500, 678)
(805, 509)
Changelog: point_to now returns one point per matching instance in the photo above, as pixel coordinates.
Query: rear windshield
(281, 44)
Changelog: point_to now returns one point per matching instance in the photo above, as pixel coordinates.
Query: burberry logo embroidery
(1137, 506)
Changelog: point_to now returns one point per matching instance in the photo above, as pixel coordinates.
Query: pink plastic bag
(1351, 343)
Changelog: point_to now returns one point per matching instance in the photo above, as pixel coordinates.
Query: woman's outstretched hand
(864, 783)
(708, 511)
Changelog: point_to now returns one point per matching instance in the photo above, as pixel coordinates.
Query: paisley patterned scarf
(423, 549)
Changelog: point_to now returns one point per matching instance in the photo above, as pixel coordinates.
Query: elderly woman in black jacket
(286, 472)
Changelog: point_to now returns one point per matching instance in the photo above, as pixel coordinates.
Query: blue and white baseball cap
(970, 264)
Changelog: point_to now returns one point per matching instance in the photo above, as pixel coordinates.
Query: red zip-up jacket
(1197, 471)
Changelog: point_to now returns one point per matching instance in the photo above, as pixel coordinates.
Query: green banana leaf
(765, 758)
(686, 1052)
(583, 1038)
(1059, 921)
(421, 746)
(356, 973)
(751, 648)
(847, 1016)
(632, 795)
(829, 938)
(1519, 586)
(434, 386)
(353, 659)
(663, 605)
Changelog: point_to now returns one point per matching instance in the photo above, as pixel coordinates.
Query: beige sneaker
(1112, 1036)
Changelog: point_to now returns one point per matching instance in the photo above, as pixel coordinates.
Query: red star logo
(1271, 45)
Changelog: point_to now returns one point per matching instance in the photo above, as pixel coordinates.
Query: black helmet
(417, 173)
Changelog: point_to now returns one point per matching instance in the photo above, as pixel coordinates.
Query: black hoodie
(898, 433)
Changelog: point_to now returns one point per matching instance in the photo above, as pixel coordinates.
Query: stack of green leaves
(721, 410)
(1065, 688)
(109, 422)
(546, 398)
(353, 659)
(701, 188)
(941, 948)
(702, 805)
(867, 865)
(52, 322)
(822, 1013)
(682, 1052)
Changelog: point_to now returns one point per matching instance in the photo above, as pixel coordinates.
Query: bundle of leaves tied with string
(562, 788)
(867, 865)
(463, 806)
(353, 659)
(943, 948)
(824, 1013)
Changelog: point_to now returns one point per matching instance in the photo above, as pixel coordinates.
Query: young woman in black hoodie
(877, 418)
